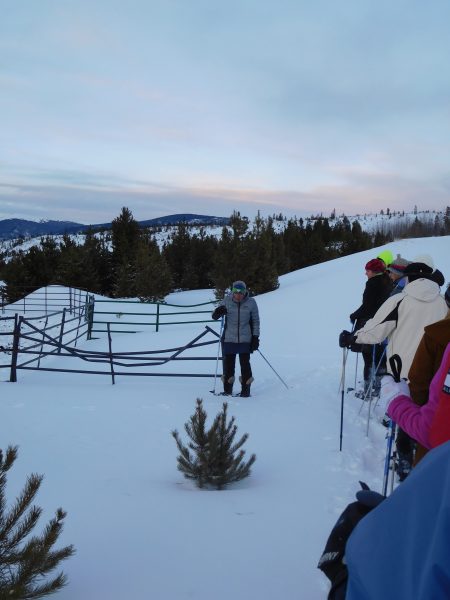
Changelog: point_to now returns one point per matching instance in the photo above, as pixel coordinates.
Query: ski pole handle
(396, 366)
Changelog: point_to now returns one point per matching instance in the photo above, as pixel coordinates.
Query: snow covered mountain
(21, 228)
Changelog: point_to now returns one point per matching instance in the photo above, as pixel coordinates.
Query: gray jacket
(241, 321)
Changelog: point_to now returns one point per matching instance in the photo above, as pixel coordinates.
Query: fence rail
(48, 341)
(162, 315)
(28, 339)
(31, 344)
(45, 300)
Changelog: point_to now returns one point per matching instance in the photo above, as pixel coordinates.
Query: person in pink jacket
(414, 419)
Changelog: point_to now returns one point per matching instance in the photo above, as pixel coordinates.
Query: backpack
(332, 561)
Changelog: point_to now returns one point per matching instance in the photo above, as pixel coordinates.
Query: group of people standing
(400, 543)
(403, 313)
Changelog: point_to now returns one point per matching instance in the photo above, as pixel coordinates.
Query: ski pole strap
(396, 366)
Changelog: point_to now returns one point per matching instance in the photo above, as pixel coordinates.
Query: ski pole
(369, 389)
(218, 352)
(373, 372)
(356, 369)
(350, 389)
(344, 360)
(282, 381)
(387, 461)
(396, 368)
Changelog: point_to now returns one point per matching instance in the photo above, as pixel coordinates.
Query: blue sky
(170, 106)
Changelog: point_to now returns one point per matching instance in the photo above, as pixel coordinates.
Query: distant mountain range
(21, 228)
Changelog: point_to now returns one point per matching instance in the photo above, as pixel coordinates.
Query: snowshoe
(403, 468)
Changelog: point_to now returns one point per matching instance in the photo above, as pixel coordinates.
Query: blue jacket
(402, 548)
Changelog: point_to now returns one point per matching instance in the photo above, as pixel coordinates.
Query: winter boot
(245, 387)
(404, 465)
(363, 393)
(377, 385)
(227, 386)
(403, 469)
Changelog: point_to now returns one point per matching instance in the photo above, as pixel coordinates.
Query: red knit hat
(376, 265)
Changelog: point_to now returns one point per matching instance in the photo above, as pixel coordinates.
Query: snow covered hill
(140, 529)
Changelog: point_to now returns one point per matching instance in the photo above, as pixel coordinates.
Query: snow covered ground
(142, 531)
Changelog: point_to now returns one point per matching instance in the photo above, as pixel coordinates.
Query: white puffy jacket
(402, 319)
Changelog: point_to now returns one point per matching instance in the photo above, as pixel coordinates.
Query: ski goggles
(238, 290)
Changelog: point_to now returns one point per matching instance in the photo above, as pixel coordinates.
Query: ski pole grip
(396, 366)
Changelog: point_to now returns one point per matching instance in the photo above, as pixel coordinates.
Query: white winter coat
(402, 318)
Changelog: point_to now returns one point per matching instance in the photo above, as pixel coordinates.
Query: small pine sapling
(227, 466)
(210, 457)
(194, 466)
(25, 563)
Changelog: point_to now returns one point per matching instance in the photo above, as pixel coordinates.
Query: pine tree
(153, 278)
(195, 466)
(226, 465)
(177, 253)
(26, 563)
(260, 271)
(210, 457)
(125, 232)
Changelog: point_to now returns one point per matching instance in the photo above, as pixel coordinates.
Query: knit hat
(376, 265)
(418, 270)
(398, 266)
(386, 256)
(239, 285)
(425, 259)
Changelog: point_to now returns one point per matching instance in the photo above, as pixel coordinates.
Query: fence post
(61, 331)
(15, 348)
(78, 329)
(90, 307)
(157, 316)
(111, 363)
(42, 342)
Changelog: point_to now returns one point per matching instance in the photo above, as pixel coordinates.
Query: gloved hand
(346, 339)
(352, 318)
(254, 344)
(390, 389)
(219, 312)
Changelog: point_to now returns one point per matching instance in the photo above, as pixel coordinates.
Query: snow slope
(140, 530)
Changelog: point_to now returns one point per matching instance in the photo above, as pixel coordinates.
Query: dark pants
(229, 363)
(367, 352)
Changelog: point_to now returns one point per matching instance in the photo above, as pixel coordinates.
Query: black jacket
(377, 290)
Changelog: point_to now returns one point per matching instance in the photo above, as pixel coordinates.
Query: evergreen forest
(127, 261)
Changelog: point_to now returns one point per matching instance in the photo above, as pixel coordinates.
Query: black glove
(352, 318)
(346, 339)
(219, 312)
(254, 344)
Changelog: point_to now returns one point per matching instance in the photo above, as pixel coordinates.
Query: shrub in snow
(212, 458)
(26, 563)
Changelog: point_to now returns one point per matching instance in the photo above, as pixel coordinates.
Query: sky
(143, 531)
(168, 106)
